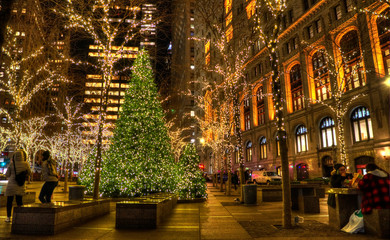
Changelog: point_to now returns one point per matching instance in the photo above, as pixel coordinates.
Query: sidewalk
(220, 217)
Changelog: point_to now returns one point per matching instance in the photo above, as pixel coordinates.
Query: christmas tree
(139, 160)
(191, 183)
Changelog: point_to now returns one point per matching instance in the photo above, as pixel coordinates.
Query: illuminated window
(361, 124)
(277, 146)
(260, 105)
(328, 132)
(301, 138)
(384, 36)
(321, 76)
(352, 64)
(249, 151)
(247, 115)
(263, 148)
(296, 87)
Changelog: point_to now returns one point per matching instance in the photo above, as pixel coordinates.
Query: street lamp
(202, 141)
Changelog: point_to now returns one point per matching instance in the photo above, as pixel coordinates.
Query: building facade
(334, 61)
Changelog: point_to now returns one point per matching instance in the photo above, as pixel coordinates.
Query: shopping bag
(355, 224)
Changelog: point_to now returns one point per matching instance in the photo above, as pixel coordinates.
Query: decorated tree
(139, 160)
(191, 183)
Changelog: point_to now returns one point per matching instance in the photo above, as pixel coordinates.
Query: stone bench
(29, 197)
(378, 223)
(44, 219)
(144, 212)
(269, 194)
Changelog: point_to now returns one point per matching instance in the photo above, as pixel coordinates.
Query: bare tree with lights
(269, 32)
(28, 67)
(226, 81)
(69, 115)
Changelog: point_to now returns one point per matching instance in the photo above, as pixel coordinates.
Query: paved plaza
(220, 217)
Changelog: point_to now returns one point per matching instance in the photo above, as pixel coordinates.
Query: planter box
(42, 219)
(144, 212)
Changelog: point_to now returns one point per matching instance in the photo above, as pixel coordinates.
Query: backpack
(20, 177)
(52, 169)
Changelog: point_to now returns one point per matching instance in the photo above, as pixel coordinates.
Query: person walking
(17, 165)
(49, 175)
(235, 180)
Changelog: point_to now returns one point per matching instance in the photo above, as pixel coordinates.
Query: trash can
(76, 192)
(250, 194)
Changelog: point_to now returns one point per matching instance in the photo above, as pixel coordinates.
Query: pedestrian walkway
(220, 217)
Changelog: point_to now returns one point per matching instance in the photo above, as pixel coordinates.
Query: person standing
(49, 174)
(375, 186)
(17, 165)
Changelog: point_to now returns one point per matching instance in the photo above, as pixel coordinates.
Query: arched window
(321, 76)
(263, 148)
(260, 105)
(350, 50)
(301, 138)
(296, 87)
(328, 132)
(249, 151)
(361, 124)
(384, 37)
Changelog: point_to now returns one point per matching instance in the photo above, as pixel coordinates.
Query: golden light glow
(229, 33)
(229, 19)
(228, 6)
(251, 9)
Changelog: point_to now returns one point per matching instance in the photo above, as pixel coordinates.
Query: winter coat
(45, 171)
(21, 165)
(375, 186)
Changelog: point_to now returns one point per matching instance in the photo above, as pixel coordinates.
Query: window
(301, 138)
(277, 146)
(328, 132)
(352, 65)
(321, 76)
(263, 148)
(384, 38)
(296, 87)
(249, 151)
(237, 155)
(361, 124)
(247, 115)
(318, 26)
(348, 5)
(337, 12)
(288, 47)
(260, 105)
(310, 31)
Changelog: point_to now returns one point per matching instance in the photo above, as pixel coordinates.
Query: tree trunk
(286, 188)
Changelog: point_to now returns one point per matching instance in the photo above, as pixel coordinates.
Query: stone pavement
(220, 217)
